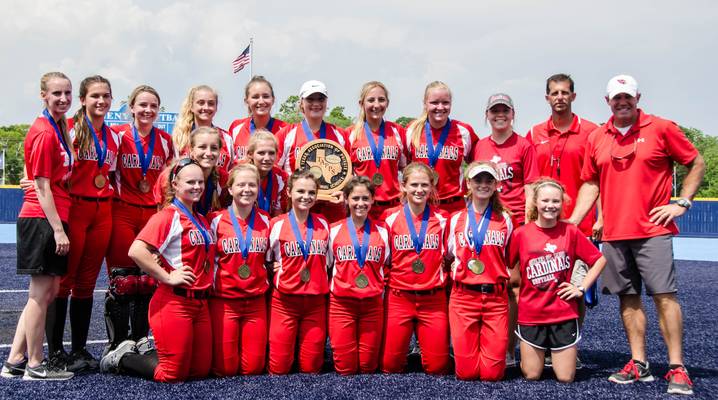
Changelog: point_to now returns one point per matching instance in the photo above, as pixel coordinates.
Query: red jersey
(229, 279)
(457, 149)
(180, 243)
(403, 253)
(393, 158)
(641, 178)
(225, 161)
(546, 258)
(129, 170)
(278, 198)
(516, 164)
(85, 167)
(205, 203)
(45, 157)
(291, 139)
(285, 250)
(346, 267)
(560, 156)
(239, 130)
(493, 252)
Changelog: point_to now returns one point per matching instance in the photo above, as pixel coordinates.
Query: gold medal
(305, 275)
(417, 266)
(100, 181)
(377, 179)
(476, 266)
(244, 271)
(144, 186)
(361, 281)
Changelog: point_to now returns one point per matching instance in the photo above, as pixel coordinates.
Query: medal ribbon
(200, 227)
(478, 234)
(376, 151)
(360, 250)
(264, 198)
(59, 135)
(431, 151)
(252, 127)
(205, 205)
(308, 131)
(145, 158)
(244, 243)
(304, 245)
(417, 239)
(99, 149)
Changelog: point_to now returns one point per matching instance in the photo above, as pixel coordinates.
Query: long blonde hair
(185, 119)
(418, 167)
(62, 123)
(417, 126)
(361, 118)
(532, 210)
(82, 131)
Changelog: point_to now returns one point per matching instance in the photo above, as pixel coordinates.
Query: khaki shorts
(637, 262)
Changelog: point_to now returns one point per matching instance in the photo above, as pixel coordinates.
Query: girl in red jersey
(514, 157)
(417, 278)
(545, 251)
(313, 105)
(478, 306)
(90, 224)
(377, 147)
(42, 241)
(443, 144)
(359, 248)
(178, 314)
(298, 243)
(262, 152)
(143, 153)
(198, 110)
(238, 308)
(259, 98)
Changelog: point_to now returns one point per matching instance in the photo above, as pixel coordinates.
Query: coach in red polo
(629, 160)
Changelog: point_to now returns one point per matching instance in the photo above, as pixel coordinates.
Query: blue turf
(603, 351)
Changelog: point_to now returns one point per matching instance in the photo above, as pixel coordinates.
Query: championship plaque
(329, 163)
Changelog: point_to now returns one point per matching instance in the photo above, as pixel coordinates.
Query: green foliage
(337, 117)
(289, 110)
(708, 147)
(404, 121)
(11, 139)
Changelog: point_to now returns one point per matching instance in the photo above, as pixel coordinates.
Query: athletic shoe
(579, 364)
(632, 372)
(82, 361)
(510, 361)
(10, 370)
(144, 346)
(547, 360)
(679, 382)
(111, 362)
(46, 372)
(59, 360)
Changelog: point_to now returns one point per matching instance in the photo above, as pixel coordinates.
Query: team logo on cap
(621, 81)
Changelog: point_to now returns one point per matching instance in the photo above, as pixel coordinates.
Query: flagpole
(251, 56)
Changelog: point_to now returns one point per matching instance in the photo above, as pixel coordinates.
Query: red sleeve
(40, 161)
(281, 137)
(157, 229)
(531, 170)
(589, 172)
(529, 136)
(678, 146)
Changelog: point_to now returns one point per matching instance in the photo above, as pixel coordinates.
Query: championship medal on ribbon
(61, 138)
(145, 158)
(243, 242)
(360, 249)
(417, 238)
(101, 150)
(377, 149)
(304, 244)
(433, 153)
(476, 239)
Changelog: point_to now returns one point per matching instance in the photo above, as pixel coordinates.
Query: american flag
(241, 60)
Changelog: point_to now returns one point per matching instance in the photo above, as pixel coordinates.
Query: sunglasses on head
(181, 164)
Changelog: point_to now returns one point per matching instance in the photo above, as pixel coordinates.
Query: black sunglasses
(626, 156)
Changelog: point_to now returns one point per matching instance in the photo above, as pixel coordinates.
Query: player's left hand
(663, 215)
(568, 291)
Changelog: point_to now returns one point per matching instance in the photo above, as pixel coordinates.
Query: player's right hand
(62, 243)
(181, 276)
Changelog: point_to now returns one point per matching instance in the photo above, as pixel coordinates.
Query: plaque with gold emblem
(329, 163)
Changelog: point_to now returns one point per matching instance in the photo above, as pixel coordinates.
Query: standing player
(478, 306)
(238, 308)
(143, 153)
(259, 98)
(262, 152)
(442, 144)
(377, 147)
(416, 299)
(636, 151)
(359, 248)
(42, 244)
(546, 250)
(178, 314)
(90, 224)
(313, 104)
(299, 243)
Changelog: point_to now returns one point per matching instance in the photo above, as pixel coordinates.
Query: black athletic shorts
(556, 336)
(36, 248)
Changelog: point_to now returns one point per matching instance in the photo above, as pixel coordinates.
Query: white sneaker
(144, 346)
(111, 361)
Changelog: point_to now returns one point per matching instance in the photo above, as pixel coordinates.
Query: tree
(708, 147)
(289, 110)
(337, 117)
(11, 139)
(404, 121)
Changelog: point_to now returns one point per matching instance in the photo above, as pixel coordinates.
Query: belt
(387, 203)
(427, 292)
(451, 200)
(487, 288)
(191, 294)
(92, 199)
(154, 206)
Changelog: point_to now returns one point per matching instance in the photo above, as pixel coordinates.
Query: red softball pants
(127, 222)
(429, 311)
(182, 331)
(297, 318)
(355, 332)
(239, 328)
(90, 226)
(479, 333)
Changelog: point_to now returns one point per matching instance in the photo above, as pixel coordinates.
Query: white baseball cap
(311, 87)
(477, 169)
(622, 84)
